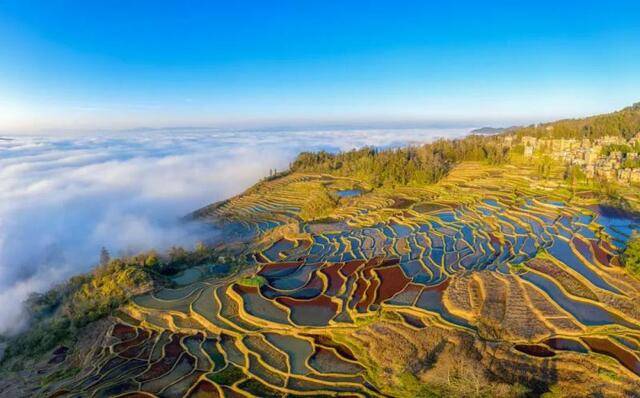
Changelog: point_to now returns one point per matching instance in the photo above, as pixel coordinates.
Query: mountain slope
(494, 279)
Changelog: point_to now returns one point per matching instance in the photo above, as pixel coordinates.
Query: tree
(177, 254)
(152, 259)
(631, 255)
(572, 175)
(608, 188)
(104, 256)
(318, 206)
(544, 167)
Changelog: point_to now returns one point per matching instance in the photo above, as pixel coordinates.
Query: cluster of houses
(589, 155)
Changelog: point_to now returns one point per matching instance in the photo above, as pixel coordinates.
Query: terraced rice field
(492, 253)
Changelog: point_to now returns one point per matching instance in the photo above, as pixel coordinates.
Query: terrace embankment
(493, 281)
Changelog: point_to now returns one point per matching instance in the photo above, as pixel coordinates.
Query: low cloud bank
(62, 199)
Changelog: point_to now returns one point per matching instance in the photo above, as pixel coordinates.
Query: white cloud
(61, 199)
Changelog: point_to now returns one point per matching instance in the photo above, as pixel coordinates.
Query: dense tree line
(624, 123)
(622, 148)
(411, 165)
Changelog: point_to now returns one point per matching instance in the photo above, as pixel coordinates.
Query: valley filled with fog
(63, 198)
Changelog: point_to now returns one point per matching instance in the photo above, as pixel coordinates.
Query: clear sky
(126, 64)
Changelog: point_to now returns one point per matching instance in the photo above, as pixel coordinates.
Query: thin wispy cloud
(62, 199)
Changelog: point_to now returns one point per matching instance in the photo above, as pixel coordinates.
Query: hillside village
(609, 157)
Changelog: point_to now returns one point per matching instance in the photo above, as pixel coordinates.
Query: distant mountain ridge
(492, 130)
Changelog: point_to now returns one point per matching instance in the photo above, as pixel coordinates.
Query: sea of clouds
(63, 198)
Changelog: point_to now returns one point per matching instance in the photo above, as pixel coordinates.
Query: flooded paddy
(535, 350)
(533, 268)
(349, 193)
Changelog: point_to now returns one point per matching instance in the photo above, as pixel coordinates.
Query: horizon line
(302, 124)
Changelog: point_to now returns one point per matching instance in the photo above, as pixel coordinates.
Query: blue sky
(67, 65)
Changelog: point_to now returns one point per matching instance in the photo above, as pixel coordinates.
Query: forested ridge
(411, 165)
(428, 163)
(624, 123)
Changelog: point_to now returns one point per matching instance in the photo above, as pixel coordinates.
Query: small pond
(349, 193)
